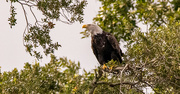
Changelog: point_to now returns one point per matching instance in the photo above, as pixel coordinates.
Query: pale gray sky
(12, 51)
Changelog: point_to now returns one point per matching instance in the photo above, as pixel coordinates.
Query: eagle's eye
(88, 25)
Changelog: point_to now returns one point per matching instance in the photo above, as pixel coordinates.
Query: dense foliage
(152, 58)
(60, 75)
(157, 54)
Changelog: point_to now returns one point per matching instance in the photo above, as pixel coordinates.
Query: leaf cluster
(37, 34)
(114, 17)
(12, 19)
(68, 9)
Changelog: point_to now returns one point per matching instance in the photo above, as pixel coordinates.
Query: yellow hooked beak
(84, 26)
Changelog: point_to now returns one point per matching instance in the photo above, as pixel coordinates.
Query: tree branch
(120, 92)
(27, 23)
(64, 16)
(115, 84)
(150, 86)
(24, 14)
(95, 81)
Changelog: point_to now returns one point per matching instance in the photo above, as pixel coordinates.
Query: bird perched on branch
(104, 45)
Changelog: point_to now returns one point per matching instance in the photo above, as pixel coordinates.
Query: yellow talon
(104, 66)
(111, 68)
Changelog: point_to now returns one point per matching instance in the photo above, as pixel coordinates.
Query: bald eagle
(104, 45)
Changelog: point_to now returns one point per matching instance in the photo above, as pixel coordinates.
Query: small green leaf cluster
(12, 20)
(68, 9)
(114, 17)
(38, 36)
(85, 34)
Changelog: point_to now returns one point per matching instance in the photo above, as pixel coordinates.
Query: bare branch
(33, 14)
(24, 13)
(37, 22)
(115, 84)
(64, 21)
(120, 92)
(27, 3)
(122, 83)
(27, 23)
(149, 86)
(62, 13)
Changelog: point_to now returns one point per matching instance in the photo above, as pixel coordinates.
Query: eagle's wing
(94, 50)
(114, 43)
(98, 55)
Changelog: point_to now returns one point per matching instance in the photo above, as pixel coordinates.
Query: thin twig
(25, 3)
(64, 21)
(115, 84)
(28, 3)
(120, 92)
(122, 83)
(34, 16)
(27, 23)
(62, 13)
(24, 14)
(150, 86)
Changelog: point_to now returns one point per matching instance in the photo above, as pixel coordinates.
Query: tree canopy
(152, 58)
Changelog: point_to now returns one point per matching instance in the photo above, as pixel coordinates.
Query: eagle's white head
(93, 29)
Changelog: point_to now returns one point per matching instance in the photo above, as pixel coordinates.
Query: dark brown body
(106, 47)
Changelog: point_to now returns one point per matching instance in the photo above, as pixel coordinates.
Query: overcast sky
(12, 51)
